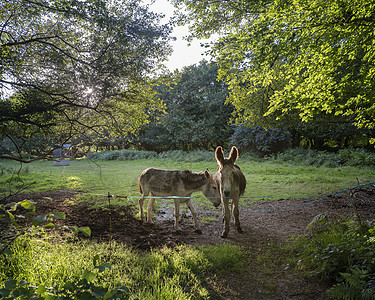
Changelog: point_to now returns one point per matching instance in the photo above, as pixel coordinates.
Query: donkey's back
(165, 183)
(170, 182)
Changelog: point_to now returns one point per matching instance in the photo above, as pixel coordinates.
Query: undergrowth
(341, 251)
(52, 266)
(343, 157)
(128, 154)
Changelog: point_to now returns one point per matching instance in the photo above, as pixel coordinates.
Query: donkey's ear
(233, 155)
(219, 155)
(207, 173)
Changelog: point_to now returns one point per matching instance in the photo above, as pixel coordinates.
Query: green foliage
(358, 285)
(69, 270)
(263, 140)
(122, 155)
(196, 117)
(71, 68)
(85, 287)
(342, 251)
(46, 221)
(344, 157)
(332, 134)
(178, 155)
(224, 258)
(291, 61)
(299, 174)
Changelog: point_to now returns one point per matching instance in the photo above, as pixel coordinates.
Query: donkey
(166, 183)
(232, 183)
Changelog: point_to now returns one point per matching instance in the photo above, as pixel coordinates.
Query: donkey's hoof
(224, 235)
(239, 229)
(198, 231)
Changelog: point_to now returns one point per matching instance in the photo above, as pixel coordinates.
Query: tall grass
(160, 274)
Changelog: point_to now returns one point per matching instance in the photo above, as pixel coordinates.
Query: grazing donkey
(164, 183)
(232, 184)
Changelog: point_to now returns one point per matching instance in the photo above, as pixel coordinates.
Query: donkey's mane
(192, 180)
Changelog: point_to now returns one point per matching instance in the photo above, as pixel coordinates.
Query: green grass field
(53, 263)
(265, 179)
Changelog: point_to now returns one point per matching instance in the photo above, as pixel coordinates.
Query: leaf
(26, 204)
(109, 294)
(39, 220)
(24, 292)
(86, 296)
(72, 228)
(23, 283)
(95, 259)
(103, 267)
(89, 276)
(41, 290)
(98, 291)
(58, 215)
(12, 206)
(10, 284)
(49, 225)
(86, 231)
(12, 218)
(4, 292)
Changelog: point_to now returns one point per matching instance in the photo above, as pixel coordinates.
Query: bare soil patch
(265, 225)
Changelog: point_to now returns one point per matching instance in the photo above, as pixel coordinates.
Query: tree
(289, 61)
(71, 67)
(196, 116)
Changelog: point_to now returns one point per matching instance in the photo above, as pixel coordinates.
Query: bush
(264, 140)
(344, 157)
(190, 156)
(179, 155)
(343, 252)
(122, 155)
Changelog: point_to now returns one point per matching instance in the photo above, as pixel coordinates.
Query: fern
(343, 291)
(356, 286)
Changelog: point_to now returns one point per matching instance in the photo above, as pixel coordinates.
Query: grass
(184, 272)
(160, 274)
(266, 179)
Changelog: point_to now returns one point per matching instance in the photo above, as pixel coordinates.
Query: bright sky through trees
(184, 54)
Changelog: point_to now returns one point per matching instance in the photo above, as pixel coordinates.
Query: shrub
(344, 157)
(264, 140)
(190, 156)
(121, 155)
(179, 155)
(343, 252)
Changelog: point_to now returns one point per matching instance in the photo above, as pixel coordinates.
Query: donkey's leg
(236, 214)
(176, 214)
(226, 217)
(149, 208)
(140, 202)
(194, 214)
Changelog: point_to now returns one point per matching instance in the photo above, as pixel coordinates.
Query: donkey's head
(211, 190)
(226, 175)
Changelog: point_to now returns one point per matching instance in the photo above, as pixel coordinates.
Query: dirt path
(265, 226)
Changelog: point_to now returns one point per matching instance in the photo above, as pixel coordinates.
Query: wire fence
(252, 199)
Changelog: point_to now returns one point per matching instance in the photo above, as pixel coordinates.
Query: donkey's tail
(140, 186)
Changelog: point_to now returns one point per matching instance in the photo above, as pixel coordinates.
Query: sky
(183, 55)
